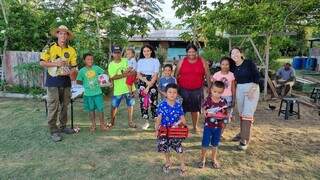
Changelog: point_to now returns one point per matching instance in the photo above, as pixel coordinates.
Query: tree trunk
(266, 77)
(110, 46)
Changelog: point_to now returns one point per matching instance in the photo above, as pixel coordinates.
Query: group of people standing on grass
(180, 93)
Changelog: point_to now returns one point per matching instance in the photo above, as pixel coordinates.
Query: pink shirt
(226, 79)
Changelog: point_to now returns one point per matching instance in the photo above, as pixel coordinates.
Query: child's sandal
(104, 128)
(92, 129)
(165, 168)
(215, 165)
(109, 125)
(182, 172)
(202, 164)
(132, 125)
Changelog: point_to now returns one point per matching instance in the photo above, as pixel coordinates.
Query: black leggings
(153, 94)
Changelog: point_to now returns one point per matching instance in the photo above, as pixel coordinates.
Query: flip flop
(202, 164)
(215, 165)
(166, 168)
(182, 172)
(92, 129)
(132, 125)
(109, 125)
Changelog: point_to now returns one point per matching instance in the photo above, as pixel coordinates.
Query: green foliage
(191, 12)
(212, 54)
(24, 90)
(238, 17)
(161, 55)
(3, 84)
(28, 73)
(97, 24)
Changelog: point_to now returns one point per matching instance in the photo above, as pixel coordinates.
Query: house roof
(160, 35)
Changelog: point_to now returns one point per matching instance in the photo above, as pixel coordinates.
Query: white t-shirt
(132, 63)
(148, 66)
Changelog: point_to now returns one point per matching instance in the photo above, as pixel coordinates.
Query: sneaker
(243, 146)
(56, 137)
(236, 138)
(67, 131)
(146, 125)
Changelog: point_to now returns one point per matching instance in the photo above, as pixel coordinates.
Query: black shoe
(56, 137)
(67, 131)
(236, 138)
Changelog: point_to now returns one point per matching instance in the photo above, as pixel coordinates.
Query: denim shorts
(116, 100)
(211, 136)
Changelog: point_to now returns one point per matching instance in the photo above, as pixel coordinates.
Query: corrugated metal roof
(160, 35)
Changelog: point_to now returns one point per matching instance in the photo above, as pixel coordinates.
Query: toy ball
(104, 80)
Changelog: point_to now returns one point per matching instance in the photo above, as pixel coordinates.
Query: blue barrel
(311, 64)
(297, 62)
(305, 63)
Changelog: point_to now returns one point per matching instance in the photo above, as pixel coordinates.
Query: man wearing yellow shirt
(60, 59)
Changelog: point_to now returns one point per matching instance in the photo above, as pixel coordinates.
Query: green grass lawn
(279, 149)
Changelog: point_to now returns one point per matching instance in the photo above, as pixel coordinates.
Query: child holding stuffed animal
(118, 72)
(215, 110)
(93, 98)
(147, 72)
(170, 114)
(132, 66)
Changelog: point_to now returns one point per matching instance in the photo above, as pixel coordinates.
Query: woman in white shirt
(148, 70)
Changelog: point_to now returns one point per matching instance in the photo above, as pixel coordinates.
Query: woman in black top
(247, 94)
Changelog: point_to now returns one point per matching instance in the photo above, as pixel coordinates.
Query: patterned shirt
(169, 114)
(214, 106)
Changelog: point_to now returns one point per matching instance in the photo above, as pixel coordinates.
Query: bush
(2, 85)
(212, 54)
(28, 74)
(25, 90)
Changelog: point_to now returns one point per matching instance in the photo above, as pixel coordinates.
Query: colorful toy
(104, 80)
(180, 131)
(213, 111)
(162, 131)
(146, 98)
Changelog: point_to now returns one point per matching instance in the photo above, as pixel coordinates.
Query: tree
(191, 11)
(97, 24)
(263, 17)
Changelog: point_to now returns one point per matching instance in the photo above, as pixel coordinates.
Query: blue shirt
(286, 74)
(169, 114)
(164, 81)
